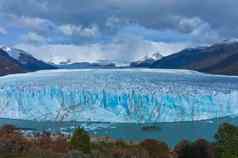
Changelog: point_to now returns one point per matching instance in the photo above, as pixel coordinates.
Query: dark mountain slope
(219, 59)
(9, 65)
(17, 61)
(28, 62)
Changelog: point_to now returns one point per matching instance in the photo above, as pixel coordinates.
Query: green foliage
(156, 149)
(81, 141)
(184, 149)
(198, 149)
(14, 144)
(227, 141)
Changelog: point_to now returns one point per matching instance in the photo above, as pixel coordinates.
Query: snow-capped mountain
(68, 64)
(85, 65)
(71, 64)
(8, 65)
(147, 61)
(14, 53)
(21, 61)
(156, 56)
(219, 58)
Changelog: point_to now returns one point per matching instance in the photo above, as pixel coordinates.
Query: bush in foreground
(227, 141)
(81, 141)
(198, 149)
(13, 144)
(12, 141)
(55, 143)
(156, 149)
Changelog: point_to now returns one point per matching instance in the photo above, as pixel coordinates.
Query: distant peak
(157, 56)
(6, 48)
(14, 52)
(154, 56)
(68, 61)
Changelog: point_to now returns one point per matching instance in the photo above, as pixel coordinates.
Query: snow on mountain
(147, 61)
(156, 56)
(218, 58)
(118, 95)
(9, 65)
(26, 60)
(15, 53)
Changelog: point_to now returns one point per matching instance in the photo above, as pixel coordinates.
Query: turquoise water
(171, 133)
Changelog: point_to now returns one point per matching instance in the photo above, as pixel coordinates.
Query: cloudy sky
(121, 30)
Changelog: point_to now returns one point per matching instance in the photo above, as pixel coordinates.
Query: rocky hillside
(17, 61)
(9, 65)
(219, 58)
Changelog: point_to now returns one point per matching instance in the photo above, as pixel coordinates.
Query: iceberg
(118, 95)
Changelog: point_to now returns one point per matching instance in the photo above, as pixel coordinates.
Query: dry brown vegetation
(45, 145)
(13, 144)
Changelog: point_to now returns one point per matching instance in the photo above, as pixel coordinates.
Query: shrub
(81, 141)
(156, 149)
(183, 149)
(12, 141)
(227, 141)
(43, 140)
(55, 143)
(130, 152)
(199, 149)
(204, 149)
(60, 144)
(8, 129)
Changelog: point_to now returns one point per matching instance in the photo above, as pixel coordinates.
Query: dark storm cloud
(115, 29)
(157, 14)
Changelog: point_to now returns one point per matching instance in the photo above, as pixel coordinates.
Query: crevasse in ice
(138, 95)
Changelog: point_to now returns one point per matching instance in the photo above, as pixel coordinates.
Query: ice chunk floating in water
(138, 95)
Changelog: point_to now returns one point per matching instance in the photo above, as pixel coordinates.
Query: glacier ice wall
(138, 95)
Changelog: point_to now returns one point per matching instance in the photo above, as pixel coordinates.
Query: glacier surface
(118, 95)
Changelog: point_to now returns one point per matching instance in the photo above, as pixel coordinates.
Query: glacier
(118, 95)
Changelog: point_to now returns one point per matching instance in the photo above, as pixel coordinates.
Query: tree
(81, 141)
(227, 141)
(198, 149)
(183, 149)
(156, 149)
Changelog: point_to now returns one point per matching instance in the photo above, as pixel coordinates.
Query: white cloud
(205, 34)
(189, 24)
(33, 23)
(33, 38)
(116, 51)
(61, 52)
(166, 49)
(200, 31)
(113, 22)
(70, 30)
(3, 31)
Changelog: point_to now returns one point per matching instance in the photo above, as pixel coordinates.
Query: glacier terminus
(118, 95)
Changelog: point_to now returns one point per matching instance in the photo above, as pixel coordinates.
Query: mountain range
(18, 61)
(68, 64)
(220, 58)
